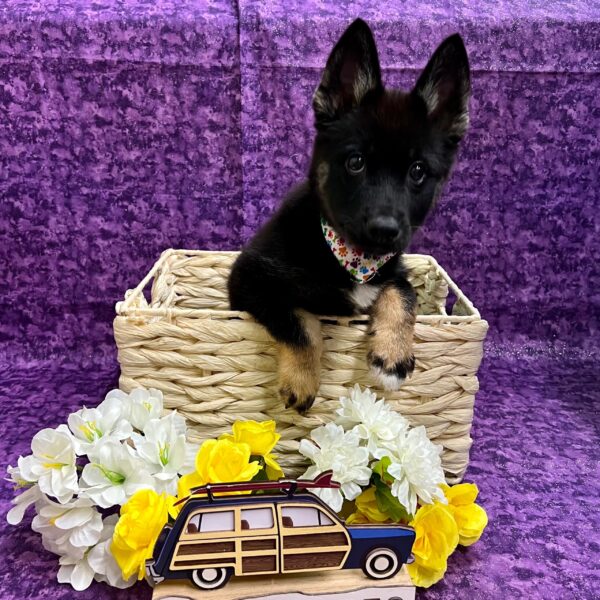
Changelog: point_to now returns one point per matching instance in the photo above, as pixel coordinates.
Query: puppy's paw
(301, 403)
(390, 375)
(299, 370)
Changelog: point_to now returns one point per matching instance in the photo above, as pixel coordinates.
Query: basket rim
(126, 307)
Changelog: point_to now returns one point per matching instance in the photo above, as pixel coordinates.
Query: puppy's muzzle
(383, 230)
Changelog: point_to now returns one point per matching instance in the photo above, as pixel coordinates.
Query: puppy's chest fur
(362, 296)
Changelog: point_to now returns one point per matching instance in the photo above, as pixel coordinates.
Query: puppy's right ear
(351, 75)
(445, 87)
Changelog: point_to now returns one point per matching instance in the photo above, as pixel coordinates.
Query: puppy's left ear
(351, 75)
(445, 87)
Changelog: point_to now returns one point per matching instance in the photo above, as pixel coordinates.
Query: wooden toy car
(283, 528)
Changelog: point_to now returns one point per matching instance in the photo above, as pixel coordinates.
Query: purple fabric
(119, 138)
(130, 127)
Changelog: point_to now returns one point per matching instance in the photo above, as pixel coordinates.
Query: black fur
(288, 264)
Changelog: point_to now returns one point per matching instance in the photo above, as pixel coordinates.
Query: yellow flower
(423, 576)
(367, 510)
(357, 518)
(261, 437)
(274, 471)
(222, 461)
(436, 538)
(367, 505)
(471, 519)
(186, 483)
(142, 519)
(218, 461)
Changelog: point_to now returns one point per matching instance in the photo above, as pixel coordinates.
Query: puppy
(334, 247)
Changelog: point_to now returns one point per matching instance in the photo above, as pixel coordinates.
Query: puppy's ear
(352, 73)
(445, 87)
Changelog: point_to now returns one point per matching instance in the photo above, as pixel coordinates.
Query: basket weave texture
(216, 366)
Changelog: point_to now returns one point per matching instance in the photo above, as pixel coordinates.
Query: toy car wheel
(212, 578)
(381, 563)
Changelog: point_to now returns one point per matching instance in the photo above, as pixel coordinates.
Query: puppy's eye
(417, 172)
(355, 163)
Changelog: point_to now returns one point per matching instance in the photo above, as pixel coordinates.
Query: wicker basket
(216, 366)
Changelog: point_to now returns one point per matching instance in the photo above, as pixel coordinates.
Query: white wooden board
(346, 584)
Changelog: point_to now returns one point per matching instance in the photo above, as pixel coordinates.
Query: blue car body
(368, 537)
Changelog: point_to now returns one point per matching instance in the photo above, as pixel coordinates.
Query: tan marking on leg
(391, 341)
(300, 368)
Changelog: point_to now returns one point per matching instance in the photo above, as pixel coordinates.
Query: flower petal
(75, 517)
(461, 494)
(423, 576)
(471, 521)
(82, 576)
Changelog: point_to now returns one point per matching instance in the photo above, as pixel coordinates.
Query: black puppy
(334, 247)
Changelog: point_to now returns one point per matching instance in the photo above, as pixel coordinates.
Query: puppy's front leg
(300, 361)
(391, 332)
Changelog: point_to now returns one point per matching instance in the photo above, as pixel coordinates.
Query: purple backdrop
(127, 127)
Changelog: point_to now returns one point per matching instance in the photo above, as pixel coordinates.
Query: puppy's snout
(385, 229)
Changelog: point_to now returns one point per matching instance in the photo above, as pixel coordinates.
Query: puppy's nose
(385, 229)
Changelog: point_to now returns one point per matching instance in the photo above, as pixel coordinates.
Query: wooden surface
(347, 584)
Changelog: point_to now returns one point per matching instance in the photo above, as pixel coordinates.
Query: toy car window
(193, 525)
(303, 516)
(257, 518)
(324, 519)
(217, 521)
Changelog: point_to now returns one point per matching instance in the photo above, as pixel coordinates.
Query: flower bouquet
(123, 457)
(105, 484)
(391, 473)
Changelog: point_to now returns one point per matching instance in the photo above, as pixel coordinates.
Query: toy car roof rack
(288, 486)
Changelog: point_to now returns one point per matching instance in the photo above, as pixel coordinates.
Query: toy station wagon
(282, 529)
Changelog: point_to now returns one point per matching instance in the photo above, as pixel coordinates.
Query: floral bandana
(362, 266)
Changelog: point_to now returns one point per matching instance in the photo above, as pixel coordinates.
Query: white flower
(76, 571)
(22, 502)
(372, 419)
(165, 450)
(55, 540)
(103, 562)
(78, 524)
(15, 476)
(140, 405)
(79, 565)
(89, 425)
(340, 452)
(416, 468)
(114, 474)
(52, 464)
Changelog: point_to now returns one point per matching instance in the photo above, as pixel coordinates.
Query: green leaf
(388, 503)
(381, 467)
(261, 475)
